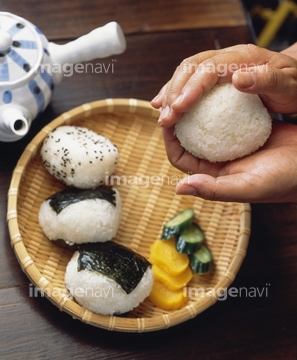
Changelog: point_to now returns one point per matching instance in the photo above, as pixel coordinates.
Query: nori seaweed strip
(114, 261)
(60, 200)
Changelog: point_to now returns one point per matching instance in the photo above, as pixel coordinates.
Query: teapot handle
(99, 43)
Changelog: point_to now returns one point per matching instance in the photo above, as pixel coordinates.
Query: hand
(268, 175)
(252, 70)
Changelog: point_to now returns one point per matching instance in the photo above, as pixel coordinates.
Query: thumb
(260, 80)
(233, 188)
(277, 88)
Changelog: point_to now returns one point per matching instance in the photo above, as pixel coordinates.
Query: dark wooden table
(259, 324)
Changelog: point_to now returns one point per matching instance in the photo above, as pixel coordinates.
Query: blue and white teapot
(30, 68)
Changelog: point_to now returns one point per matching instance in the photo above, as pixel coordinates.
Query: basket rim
(64, 302)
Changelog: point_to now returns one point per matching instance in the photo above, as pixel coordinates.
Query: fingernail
(246, 79)
(178, 99)
(156, 98)
(185, 190)
(164, 114)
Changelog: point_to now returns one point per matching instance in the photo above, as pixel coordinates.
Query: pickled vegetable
(172, 282)
(164, 254)
(201, 260)
(190, 239)
(167, 299)
(177, 224)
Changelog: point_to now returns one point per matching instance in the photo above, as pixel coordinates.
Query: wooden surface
(254, 325)
(66, 19)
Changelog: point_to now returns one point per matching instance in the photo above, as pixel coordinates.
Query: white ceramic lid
(20, 50)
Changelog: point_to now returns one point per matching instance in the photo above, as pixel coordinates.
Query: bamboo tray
(149, 200)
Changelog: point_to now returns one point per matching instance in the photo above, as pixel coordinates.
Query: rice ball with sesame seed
(79, 157)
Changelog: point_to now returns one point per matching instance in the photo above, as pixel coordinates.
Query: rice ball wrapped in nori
(79, 157)
(224, 125)
(108, 278)
(81, 215)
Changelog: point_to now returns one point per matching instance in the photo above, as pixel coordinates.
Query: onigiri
(79, 216)
(108, 278)
(79, 157)
(224, 125)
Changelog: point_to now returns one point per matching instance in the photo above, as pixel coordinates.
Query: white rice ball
(101, 294)
(79, 157)
(224, 125)
(92, 220)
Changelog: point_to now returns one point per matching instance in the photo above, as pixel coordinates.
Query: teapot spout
(14, 123)
(100, 43)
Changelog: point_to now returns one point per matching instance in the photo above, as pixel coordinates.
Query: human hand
(268, 175)
(252, 70)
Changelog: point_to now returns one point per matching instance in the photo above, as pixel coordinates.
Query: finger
(291, 51)
(235, 188)
(186, 69)
(183, 73)
(259, 80)
(157, 100)
(177, 155)
(183, 160)
(277, 87)
(168, 117)
(216, 70)
(173, 148)
(200, 82)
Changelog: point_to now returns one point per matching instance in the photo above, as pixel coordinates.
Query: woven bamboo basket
(148, 201)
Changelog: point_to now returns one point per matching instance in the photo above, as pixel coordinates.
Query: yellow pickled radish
(172, 282)
(167, 299)
(164, 254)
